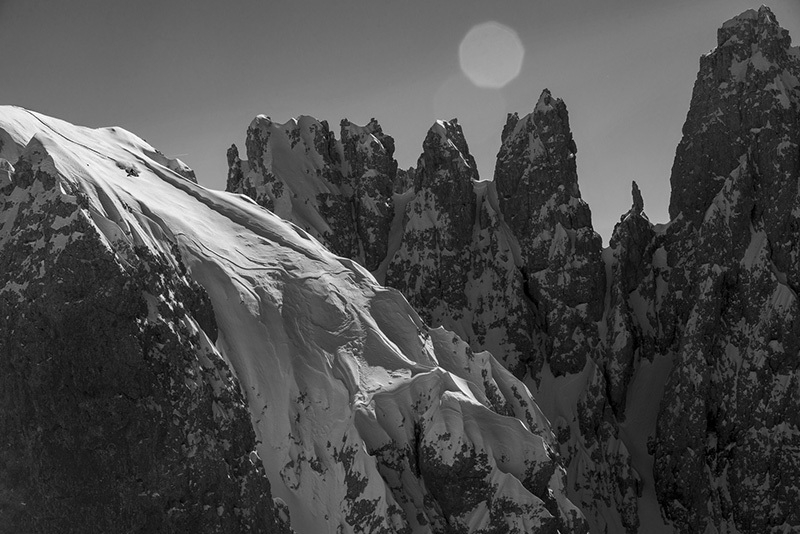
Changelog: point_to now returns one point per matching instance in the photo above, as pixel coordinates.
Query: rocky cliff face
(537, 186)
(340, 191)
(456, 262)
(725, 432)
(371, 168)
(565, 280)
(633, 300)
(745, 104)
(432, 263)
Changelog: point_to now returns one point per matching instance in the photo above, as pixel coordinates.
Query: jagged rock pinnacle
(444, 192)
(734, 272)
(537, 186)
(638, 201)
(743, 96)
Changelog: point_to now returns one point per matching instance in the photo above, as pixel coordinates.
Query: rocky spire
(638, 201)
(537, 186)
(728, 315)
(338, 191)
(432, 263)
(456, 263)
(235, 174)
(370, 168)
(745, 100)
(447, 169)
(627, 338)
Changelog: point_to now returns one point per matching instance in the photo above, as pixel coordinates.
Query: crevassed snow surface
(316, 343)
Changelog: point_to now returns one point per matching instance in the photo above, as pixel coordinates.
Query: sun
(491, 55)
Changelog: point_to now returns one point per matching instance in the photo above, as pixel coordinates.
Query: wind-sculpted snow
(118, 413)
(365, 420)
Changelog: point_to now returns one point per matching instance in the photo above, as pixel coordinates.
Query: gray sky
(189, 75)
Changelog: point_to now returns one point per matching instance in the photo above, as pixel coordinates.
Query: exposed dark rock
(638, 201)
(736, 359)
(745, 101)
(370, 169)
(235, 174)
(730, 313)
(404, 180)
(537, 187)
(631, 316)
(431, 266)
(338, 191)
(456, 263)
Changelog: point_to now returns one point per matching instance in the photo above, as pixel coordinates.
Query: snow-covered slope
(118, 412)
(365, 419)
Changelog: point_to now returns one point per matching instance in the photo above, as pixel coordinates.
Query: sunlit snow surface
(334, 366)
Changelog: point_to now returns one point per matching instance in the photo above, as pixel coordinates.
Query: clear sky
(189, 75)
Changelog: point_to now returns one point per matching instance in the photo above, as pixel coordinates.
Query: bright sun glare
(491, 55)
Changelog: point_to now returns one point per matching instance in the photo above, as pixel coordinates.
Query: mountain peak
(742, 101)
(372, 126)
(445, 141)
(750, 15)
(537, 186)
(545, 101)
(638, 201)
(753, 31)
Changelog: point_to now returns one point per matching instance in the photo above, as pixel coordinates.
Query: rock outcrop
(340, 191)
(455, 263)
(537, 185)
(369, 164)
(725, 435)
(431, 265)
(565, 277)
(631, 325)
